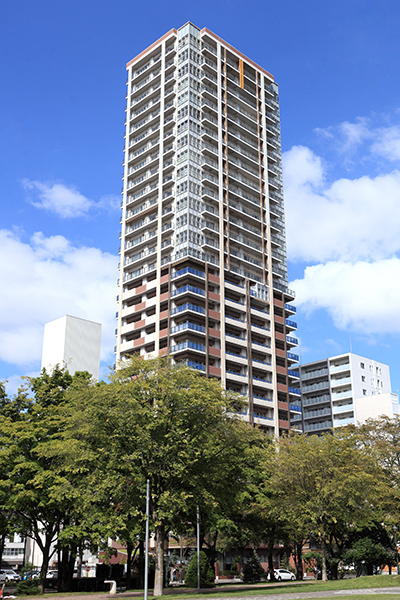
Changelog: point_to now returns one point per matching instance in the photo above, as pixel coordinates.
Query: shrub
(30, 587)
(206, 575)
(253, 571)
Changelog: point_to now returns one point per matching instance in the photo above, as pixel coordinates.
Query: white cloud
(387, 143)
(370, 137)
(349, 219)
(354, 134)
(14, 382)
(64, 201)
(46, 279)
(363, 297)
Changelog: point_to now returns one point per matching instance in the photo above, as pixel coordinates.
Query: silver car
(8, 575)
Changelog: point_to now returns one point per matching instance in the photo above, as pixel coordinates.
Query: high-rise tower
(203, 271)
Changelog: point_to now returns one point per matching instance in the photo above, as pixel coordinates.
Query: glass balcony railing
(188, 306)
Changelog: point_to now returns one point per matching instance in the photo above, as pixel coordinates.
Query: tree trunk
(271, 562)
(79, 563)
(63, 570)
(334, 569)
(2, 544)
(140, 581)
(213, 551)
(129, 549)
(323, 556)
(45, 564)
(299, 561)
(159, 574)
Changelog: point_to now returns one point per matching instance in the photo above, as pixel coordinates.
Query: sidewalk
(298, 595)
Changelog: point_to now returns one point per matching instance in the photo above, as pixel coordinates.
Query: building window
(364, 392)
(362, 365)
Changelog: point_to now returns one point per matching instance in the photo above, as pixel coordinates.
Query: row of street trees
(75, 456)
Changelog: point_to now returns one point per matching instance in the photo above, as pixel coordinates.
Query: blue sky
(62, 74)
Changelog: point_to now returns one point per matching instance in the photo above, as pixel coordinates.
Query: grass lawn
(376, 581)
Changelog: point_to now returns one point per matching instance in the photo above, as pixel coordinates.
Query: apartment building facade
(341, 390)
(203, 269)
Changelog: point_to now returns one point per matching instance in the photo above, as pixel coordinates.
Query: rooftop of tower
(202, 31)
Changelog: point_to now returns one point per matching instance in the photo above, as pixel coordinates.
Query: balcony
(343, 422)
(324, 385)
(339, 368)
(188, 306)
(187, 345)
(314, 374)
(188, 325)
(341, 395)
(292, 357)
(293, 390)
(188, 288)
(343, 408)
(188, 270)
(339, 382)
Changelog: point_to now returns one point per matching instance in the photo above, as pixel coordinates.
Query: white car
(283, 574)
(8, 575)
(53, 574)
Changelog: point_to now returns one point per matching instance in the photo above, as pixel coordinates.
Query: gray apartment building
(342, 390)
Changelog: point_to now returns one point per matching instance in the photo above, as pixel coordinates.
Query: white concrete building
(373, 407)
(73, 341)
(341, 390)
(203, 270)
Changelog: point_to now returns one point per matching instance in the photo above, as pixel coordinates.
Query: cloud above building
(44, 278)
(347, 229)
(64, 200)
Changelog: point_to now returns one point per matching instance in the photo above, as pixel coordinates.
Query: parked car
(31, 575)
(8, 575)
(283, 574)
(52, 574)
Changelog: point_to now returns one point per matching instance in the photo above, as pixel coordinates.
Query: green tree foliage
(369, 549)
(206, 573)
(253, 571)
(367, 555)
(6, 512)
(41, 497)
(326, 486)
(165, 423)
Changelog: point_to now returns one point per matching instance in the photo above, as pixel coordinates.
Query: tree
(40, 495)
(253, 571)
(369, 549)
(162, 422)
(206, 573)
(6, 512)
(327, 485)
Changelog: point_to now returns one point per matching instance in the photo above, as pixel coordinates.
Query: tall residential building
(203, 271)
(341, 390)
(74, 342)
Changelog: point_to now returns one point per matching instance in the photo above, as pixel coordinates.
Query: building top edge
(254, 64)
(341, 356)
(72, 317)
(166, 35)
(202, 32)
